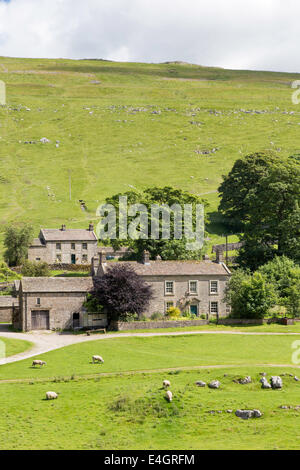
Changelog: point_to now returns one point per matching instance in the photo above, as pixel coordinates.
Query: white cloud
(238, 34)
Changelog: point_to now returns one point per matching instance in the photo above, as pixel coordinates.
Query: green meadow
(10, 347)
(121, 404)
(130, 125)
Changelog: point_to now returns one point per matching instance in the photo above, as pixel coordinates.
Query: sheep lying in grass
(166, 383)
(97, 359)
(169, 395)
(51, 395)
(37, 362)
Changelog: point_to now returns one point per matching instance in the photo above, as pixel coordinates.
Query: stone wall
(6, 314)
(143, 325)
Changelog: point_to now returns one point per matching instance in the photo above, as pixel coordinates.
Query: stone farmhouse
(194, 286)
(58, 302)
(64, 246)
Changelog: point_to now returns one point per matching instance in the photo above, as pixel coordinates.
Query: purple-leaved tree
(122, 292)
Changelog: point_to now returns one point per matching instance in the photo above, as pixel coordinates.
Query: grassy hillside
(130, 125)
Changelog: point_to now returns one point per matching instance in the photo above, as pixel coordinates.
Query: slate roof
(37, 242)
(68, 235)
(56, 284)
(176, 268)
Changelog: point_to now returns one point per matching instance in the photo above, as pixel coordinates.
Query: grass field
(13, 346)
(141, 353)
(127, 409)
(124, 125)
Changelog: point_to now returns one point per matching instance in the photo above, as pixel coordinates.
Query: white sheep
(51, 395)
(97, 359)
(166, 383)
(37, 362)
(169, 395)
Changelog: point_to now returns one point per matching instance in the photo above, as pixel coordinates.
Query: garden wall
(143, 325)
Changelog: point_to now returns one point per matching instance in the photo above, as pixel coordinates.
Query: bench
(103, 330)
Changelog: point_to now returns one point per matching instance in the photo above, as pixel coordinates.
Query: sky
(238, 34)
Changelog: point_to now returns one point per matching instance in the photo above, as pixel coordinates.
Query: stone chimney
(219, 256)
(63, 228)
(102, 257)
(146, 257)
(95, 266)
(91, 227)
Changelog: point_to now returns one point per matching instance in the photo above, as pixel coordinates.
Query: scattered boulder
(276, 382)
(44, 140)
(248, 414)
(200, 384)
(296, 378)
(214, 384)
(264, 383)
(245, 381)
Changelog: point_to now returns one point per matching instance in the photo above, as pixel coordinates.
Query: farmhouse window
(58, 246)
(84, 258)
(38, 301)
(72, 246)
(214, 308)
(214, 287)
(84, 246)
(169, 305)
(38, 259)
(193, 287)
(169, 287)
(58, 258)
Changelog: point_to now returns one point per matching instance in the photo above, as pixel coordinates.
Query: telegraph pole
(70, 185)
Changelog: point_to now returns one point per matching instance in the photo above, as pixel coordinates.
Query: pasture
(120, 404)
(13, 346)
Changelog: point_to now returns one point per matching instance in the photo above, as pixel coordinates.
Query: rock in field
(214, 384)
(247, 414)
(201, 384)
(245, 381)
(265, 383)
(276, 382)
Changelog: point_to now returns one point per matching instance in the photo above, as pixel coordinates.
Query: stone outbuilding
(9, 306)
(55, 303)
(64, 246)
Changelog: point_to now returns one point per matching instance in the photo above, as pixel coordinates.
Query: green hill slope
(123, 125)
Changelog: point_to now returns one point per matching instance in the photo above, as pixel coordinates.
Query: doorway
(73, 259)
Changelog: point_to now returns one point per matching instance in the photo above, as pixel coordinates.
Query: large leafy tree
(16, 242)
(262, 191)
(172, 248)
(250, 296)
(121, 292)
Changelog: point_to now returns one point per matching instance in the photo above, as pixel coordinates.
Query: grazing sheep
(51, 395)
(97, 359)
(166, 383)
(169, 395)
(37, 362)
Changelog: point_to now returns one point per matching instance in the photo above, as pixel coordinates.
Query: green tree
(16, 242)
(250, 296)
(173, 248)
(262, 191)
(6, 274)
(283, 273)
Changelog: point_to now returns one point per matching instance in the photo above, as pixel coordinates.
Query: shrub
(173, 312)
(157, 316)
(33, 269)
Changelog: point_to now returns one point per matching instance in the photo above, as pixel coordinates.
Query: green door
(73, 259)
(194, 310)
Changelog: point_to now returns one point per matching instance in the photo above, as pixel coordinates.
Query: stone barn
(8, 307)
(54, 303)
